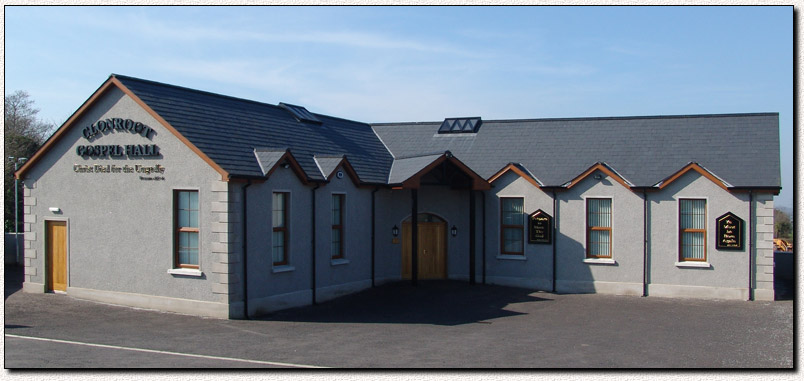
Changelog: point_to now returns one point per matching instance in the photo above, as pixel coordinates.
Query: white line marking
(165, 352)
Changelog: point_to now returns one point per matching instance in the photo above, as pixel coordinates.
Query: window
(598, 228)
(692, 230)
(279, 218)
(185, 206)
(512, 225)
(300, 113)
(459, 125)
(337, 225)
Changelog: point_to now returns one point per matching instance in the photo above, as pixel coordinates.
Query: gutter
(645, 243)
(312, 244)
(245, 251)
(484, 235)
(751, 245)
(373, 228)
(555, 238)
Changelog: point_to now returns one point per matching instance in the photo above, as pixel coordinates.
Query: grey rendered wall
(391, 207)
(394, 206)
(575, 273)
(726, 275)
(353, 272)
(534, 268)
(120, 228)
(271, 287)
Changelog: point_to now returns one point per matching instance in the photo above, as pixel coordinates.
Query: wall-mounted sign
(540, 227)
(145, 172)
(729, 232)
(130, 150)
(104, 127)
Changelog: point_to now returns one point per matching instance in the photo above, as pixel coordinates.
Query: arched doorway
(432, 255)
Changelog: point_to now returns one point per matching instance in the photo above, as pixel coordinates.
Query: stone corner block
(218, 206)
(764, 294)
(220, 186)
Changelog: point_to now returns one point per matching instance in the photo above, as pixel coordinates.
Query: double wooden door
(432, 255)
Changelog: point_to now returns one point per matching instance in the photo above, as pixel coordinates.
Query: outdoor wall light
(598, 176)
(54, 209)
(453, 231)
(286, 165)
(395, 231)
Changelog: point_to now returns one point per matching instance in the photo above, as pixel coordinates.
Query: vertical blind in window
(512, 225)
(693, 230)
(187, 228)
(279, 222)
(337, 226)
(598, 217)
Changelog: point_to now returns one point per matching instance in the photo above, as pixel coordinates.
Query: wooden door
(56, 255)
(432, 255)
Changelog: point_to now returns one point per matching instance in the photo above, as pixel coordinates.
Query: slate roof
(268, 157)
(327, 164)
(404, 168)
(229, 129)
(741, 149)
(244, 136)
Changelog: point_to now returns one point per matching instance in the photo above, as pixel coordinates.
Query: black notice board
(729, 232)
(540, 227)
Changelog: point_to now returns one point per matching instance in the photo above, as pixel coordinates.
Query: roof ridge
(204, 92)
(231, 97)
(419, 155)
(678, 116)
(339, 118)
(405, 123)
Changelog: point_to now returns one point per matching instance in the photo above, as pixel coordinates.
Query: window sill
(186, 272)
(600, 261)
(282, 269)
(512, 257)
(694, 264)
(339, 261)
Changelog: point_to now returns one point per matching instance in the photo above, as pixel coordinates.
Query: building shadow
(784, 275)
(430, 302)
(13, 282)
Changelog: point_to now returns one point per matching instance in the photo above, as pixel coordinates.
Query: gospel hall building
(158, 196)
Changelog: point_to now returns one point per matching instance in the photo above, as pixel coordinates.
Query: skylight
(459, 125)
(300, 113)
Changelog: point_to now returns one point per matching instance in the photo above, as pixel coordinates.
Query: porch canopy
(434, 169)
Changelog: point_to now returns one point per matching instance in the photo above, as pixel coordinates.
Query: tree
(24, 134)
(783, 224)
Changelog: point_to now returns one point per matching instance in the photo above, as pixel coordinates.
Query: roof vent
(300, 113)
(460, 125)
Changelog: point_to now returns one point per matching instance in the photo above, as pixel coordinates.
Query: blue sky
(392, 64)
